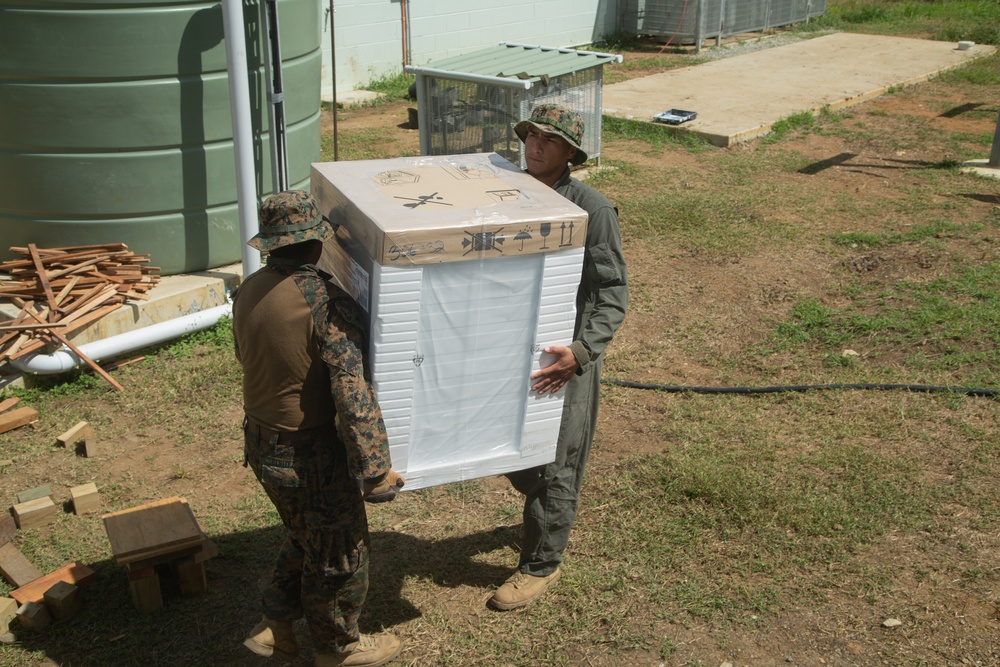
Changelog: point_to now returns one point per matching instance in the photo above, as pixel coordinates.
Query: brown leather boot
(368, 651)
(272, 637)
(521, 589)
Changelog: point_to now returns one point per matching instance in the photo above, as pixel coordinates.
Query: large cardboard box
(466, 268)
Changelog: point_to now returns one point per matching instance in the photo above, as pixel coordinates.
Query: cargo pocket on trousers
(284, 472)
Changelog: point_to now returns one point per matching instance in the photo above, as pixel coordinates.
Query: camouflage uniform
(313, 428)
(552, 492)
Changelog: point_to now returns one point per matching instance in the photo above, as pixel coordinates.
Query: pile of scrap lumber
(62, 290)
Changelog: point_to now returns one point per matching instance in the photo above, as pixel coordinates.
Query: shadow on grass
(209, 629)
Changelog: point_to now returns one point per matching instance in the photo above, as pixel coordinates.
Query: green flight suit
(552, 492)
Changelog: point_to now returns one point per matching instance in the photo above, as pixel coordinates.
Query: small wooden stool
(159, 538)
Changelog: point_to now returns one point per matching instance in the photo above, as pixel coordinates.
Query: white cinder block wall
(369, 33)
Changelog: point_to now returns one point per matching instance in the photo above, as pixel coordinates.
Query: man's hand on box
(383, 488)
(554, 377)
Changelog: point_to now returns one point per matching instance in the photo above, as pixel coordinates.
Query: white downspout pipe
(239, 107)
(65, 360)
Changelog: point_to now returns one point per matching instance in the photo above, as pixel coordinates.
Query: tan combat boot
(521, 589)
(270, 637)
(368, 651)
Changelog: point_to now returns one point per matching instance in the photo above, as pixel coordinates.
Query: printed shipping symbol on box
(466, 268)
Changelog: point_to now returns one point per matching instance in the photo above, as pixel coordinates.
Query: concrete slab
(741, 97)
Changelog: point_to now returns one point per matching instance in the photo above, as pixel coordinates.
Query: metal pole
(239, 107)
(994, 160)
(276, 97)
(333, 81)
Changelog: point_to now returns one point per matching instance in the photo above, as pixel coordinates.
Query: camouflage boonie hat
(557, 120)
(290, 217)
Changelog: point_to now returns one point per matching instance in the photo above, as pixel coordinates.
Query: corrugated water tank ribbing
(115, 124)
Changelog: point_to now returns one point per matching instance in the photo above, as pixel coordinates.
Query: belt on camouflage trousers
(284, 437)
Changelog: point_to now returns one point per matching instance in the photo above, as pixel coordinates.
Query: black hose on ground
(802, 387)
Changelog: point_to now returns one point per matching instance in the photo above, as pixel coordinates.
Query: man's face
(546, 155)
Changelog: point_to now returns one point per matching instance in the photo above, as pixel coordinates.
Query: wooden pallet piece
(15, 567)
(34, 616)
(81, 431)
(9, 403)
(85, 498)
(160, 527)
(8, 529)
(63, 600)
(37, 512)
(35, 493)
(43, 279)
(76, 573)
(17, 418)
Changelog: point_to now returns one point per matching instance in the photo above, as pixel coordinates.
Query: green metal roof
(521, 61)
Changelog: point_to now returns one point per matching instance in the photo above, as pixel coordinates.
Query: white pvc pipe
(154, 334)
(239, 107)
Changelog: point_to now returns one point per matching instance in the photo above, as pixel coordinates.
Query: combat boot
(368, 651)
(272, 637)
(521, 589)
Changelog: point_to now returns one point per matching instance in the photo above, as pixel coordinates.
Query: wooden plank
(156, 528)
(80, 431)
(42, 277)
(107, 247)
(17, 418)
(30, 327)
(76, 573)
(38, 492)
(67, 288)
(15, 568)
(9, 403)
(37, 512)
(90, 362)
(8, 529)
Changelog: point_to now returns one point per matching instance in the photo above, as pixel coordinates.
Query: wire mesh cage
(692, 21)
(471, 104)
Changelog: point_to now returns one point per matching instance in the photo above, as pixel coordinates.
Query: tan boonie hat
(290, 217)
(557, 120)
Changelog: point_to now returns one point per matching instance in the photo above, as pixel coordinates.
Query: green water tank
(115, 124)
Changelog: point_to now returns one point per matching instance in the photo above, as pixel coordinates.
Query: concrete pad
(741, 97)
(980, 168)
(351, 98)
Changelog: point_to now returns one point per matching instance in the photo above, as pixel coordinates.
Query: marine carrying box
(466, 268)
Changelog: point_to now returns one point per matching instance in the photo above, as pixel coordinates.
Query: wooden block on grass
(37, 512)
(82, 431)
(34, 616)
(75, 573)
(7, 529)
(15, 568)
(8, 611)
(35, 493)
(63, 600)
(144, 584)
(16, 418)
(85, 498)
